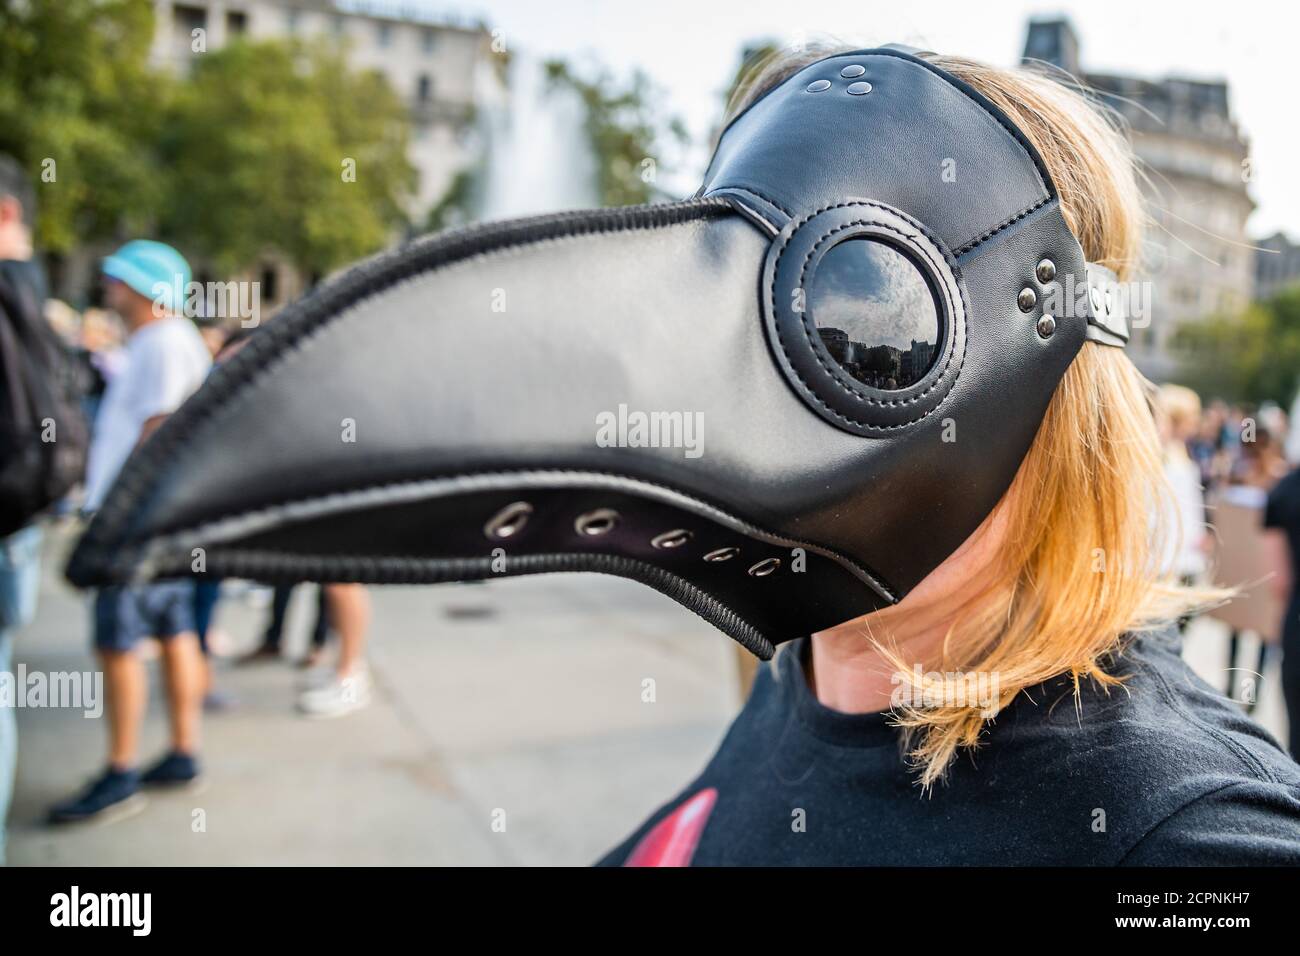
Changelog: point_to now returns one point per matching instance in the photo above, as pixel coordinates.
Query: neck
(850, 671)
(15, 244)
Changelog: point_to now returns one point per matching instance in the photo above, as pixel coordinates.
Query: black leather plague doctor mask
(782, 402)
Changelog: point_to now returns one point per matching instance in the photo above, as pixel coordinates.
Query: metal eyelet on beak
(1046, 326)
(672, 539)
(722, 554)
(764, 567)
(595, 523)
(509, 521)
(1027, 299)
(1046, 271)
(859, 89)
(853, 71)
(819, 86)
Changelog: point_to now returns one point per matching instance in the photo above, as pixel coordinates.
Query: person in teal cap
(151, 269)
(146, 283)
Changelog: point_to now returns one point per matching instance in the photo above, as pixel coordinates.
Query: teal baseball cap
(153, 269)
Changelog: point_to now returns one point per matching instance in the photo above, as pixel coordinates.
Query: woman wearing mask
(1091, 741)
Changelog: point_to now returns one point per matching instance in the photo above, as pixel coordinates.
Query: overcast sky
(691, 48)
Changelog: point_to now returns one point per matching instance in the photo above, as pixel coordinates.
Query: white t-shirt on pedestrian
(165, 362)
(1184, 556)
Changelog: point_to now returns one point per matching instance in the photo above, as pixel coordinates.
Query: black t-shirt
(1283, 512)
(1163, 771)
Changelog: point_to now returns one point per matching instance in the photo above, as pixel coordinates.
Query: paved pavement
(519, 695)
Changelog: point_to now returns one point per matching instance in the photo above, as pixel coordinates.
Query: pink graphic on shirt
(673, 840)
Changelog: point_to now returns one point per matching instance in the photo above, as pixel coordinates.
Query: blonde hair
(1180, 406)
(1078, 566)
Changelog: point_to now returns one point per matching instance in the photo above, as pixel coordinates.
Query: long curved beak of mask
(640, 392)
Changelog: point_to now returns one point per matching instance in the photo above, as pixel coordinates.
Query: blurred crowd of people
(1217, 452)
(1236, 489)
(121, 370)
(1235, 446)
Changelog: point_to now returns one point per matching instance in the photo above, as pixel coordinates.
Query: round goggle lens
(876, 314)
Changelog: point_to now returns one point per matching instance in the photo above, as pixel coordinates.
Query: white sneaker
(338, 698)
(315, 678)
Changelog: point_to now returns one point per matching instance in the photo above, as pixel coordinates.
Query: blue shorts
(125, 615)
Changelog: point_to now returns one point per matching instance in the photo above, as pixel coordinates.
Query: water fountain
(536, 153)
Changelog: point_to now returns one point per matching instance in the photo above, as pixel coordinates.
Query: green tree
(81, 111)
(627, 134)
(274, 145)
(1253, 357)
(628, 137)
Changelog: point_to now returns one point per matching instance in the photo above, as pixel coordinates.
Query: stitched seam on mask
(764, 209)
(803, 273)
(755, 192)
(958, 86)
(980, 240)
(807, 389)
(258, 564)
(750, 211)
(706, 511)
(990, 109)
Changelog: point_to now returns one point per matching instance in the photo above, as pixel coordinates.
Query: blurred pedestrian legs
(20, 567)
(347, 688)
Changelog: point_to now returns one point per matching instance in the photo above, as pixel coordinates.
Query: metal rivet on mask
(595, 523)
(509, 521)
(849, 72)
(722, 554)
(1046, 326)
(1046, 271)
(857, 89)
(765, 567)
(819, 86)
(672, 539)
(1027, 299)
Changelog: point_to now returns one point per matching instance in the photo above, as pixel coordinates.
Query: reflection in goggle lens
(876, 314)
